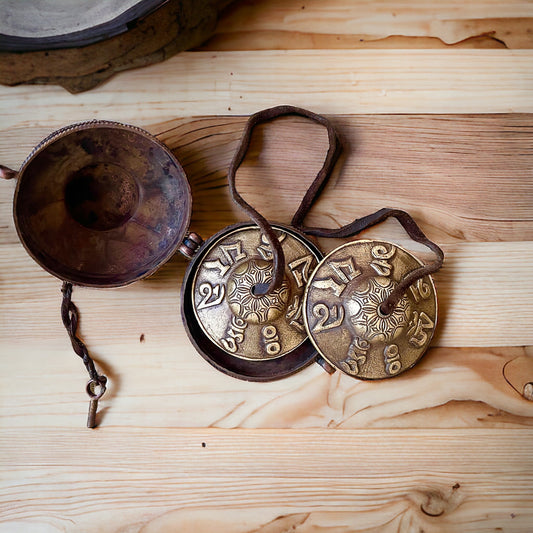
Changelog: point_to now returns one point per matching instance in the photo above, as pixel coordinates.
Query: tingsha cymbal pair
(104, 204)
(259, 301)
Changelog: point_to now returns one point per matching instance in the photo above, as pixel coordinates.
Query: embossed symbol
(328, 318)
(294, 314)
(357, 355)
(211, 296)
(417, 326)
(368, 322)
(258, 308)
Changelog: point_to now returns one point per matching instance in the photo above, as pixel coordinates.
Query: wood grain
(200, 480)
(415, 161)
(431, 165)
(208, 83)
(292, 24)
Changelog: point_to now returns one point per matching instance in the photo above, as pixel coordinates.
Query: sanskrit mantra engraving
(343, 314)
(230, 302)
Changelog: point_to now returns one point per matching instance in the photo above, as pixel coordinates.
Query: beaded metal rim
(89, 125)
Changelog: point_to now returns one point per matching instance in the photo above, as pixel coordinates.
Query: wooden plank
(164, 382)
(244, 481)
(430, 165)
(428, 155)
(292, 24)
(207, 83)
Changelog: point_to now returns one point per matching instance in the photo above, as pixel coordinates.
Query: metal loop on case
(190, 244)
(92, 384)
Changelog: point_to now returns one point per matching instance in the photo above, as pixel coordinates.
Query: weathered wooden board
(244, 481)
(326, 81)
(431, 165)
(297, 24)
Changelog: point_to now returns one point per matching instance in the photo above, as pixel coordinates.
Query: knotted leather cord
(312, 193)
(70, 317)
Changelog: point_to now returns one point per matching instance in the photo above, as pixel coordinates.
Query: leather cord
(313, 192)
(311, 195)
(70, 317)
(412, 229)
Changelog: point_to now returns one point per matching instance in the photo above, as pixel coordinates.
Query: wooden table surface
(433, 102)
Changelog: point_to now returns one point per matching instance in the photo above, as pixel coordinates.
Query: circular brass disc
(227, 295)
(342, 310)
(240, 331)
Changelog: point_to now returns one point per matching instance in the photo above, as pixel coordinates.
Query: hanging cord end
(7, 173)
(96, 386)
(95, 390)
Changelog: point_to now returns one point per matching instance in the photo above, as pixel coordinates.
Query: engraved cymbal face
(342, 311)
(229, 300)
(233, 323)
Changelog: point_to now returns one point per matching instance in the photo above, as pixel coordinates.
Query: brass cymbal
(343, 317)
(232, 322)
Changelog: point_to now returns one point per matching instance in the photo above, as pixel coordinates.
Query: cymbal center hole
(383, 312)
(259, 289)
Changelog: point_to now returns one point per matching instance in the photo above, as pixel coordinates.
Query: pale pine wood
(164, 382)
(326, 81)
(412, 159)
(315, 24)
(446, 447)
(265, 481)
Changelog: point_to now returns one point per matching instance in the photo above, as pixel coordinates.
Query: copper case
(101, 204)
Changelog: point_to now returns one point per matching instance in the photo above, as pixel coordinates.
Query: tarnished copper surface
(101, 204)
(234, 323)
(343, 310)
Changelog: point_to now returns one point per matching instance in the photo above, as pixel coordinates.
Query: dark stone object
(147, 32)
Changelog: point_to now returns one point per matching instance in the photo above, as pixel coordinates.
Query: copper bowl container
(101, 204)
